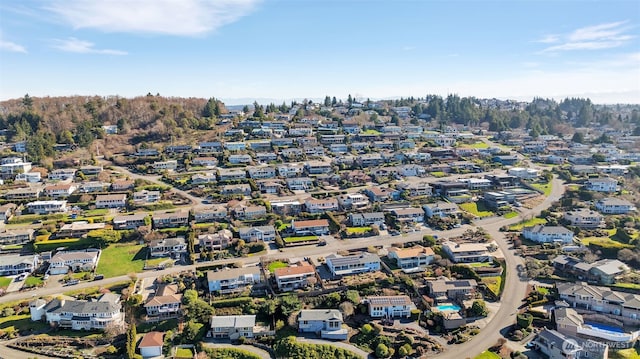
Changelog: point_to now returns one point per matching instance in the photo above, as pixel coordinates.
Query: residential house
(172, 247)
(80, 314)
(584, 218)
(389, 306)
(6, 211)
(415, 189)
(151, 345)
(131, 221)
(46, 207)
(144, 197)
(602, 184)
(210, 147)
(318, 167)
(93, 187)
(64, 261)
(111, 201)
(269, 186)
(234, 326)
(205, 162)
(524, 173)
(413, 258)
(165, 303)
(326, 322)
(262, 172)
(203, 178)
(13, 264)
(556, 345)
(404, 215)
(215, 241)
(507, 160)
(604, 271)
(210, 214)
(91, 170)
(233, 280)
(170, 220)
(259, 233)
(16, 236)
(496, 200)
(569, 322)
(290, 170)
(29, 177)
(231, 174)
(299, 183)
(243, 212)
(353, 201)
(445, 289)
(78, 229)
(170, 165)
(242, 189)
(23, 193)
(321, 205)
(614, 206)
(548, 234)
(352, 264)
(466, 252)
(440, 209)
(603, 300)
(62, 174)
(239, 159)
(294, 277)
(310, 227)
(122, 185)
(366, 219)
(59, 190)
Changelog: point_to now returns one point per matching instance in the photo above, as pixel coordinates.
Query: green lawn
(528, 223)
(606, 242)
(476, 208)
(628, 285)
(545, 188)
(509, 215)
(543, 290)
(32, 281)
(478, 145)
(630, 353)
(493, 283)
(184, 353)
(21, 322)
(438, 174)
(95, 212)
(299, 239)
(4, 282)
(275, 265)
(488, 355)
(358, 230)
(162, 326)
(371, 132)
(121, 259)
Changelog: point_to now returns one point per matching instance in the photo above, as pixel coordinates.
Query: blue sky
(240, 50)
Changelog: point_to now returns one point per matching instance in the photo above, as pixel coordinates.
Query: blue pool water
(604, 327)
(448, 307)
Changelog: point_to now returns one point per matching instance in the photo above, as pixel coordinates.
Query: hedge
(234, 302)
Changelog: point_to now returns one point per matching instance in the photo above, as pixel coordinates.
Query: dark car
(322, 243)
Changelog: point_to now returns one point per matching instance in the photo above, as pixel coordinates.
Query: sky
(277, 50)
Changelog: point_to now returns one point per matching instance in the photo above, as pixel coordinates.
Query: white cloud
(12, 47)
(82, 47)
(597, 37)
(171, 17)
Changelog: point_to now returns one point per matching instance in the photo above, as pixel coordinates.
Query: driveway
(250, 348)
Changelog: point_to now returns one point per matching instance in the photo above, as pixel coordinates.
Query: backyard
(121, 259)
(275, 265)
(476, 208)
(544, 187)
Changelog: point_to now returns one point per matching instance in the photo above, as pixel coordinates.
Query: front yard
(476, 208)
(121, 259)
(528, 223)
(545, 188)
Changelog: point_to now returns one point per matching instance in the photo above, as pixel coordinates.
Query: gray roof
(233, 321)
(615, 202)
(244, 230)
(320, 314)
(229, 273)
(580, 347)
(548, 229)
(568, 316)
(599, 293)
(364, 257)
(106, 304)
(610, 266)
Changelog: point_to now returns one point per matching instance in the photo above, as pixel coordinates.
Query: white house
(366, 219)
(294, 277)
(411, 214)
(352, 264)
(584, 218)
(614, 206)
(602, 184)
(111, 201)
(151, 345)
(80, 314)
(235, 326)
(548, 234)
(59, 190)
(231, 280)
(466, 252)
(259, 233)
(64, 261)
(524, 173)
(440, 209)
(15, 264)
(167, 247)
(393, 306)
(165, 302)
(326, 322)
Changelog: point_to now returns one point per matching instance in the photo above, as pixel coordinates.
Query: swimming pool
(448, 308)
(604, 327)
